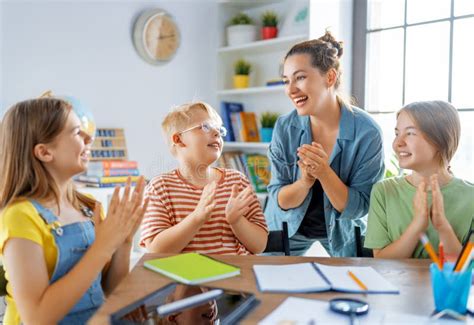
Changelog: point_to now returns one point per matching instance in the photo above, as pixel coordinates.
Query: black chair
(361, 251)
(3, 282)
(278, 241)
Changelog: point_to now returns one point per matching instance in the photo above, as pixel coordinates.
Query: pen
(426, 243)
(357, 280)
(441, 254)
(188, 302)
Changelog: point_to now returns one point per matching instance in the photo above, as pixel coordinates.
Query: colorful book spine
(113, 172)
(105, 180)
(111, 164)
(102, 185)
(259, 170)
(249, 130)
(227, 109)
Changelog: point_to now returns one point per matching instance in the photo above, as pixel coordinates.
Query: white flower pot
(241, 34)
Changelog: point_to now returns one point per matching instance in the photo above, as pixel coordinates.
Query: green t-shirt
(391, 211)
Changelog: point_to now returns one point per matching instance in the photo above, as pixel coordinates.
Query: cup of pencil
(450, 287)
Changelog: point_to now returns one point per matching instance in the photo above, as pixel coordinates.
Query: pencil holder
(450, 289)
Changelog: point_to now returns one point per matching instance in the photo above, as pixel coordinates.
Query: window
(416, 50)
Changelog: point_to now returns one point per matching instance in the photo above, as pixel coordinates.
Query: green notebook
(192, 268)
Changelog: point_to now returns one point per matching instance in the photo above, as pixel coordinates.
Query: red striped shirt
(171, 199)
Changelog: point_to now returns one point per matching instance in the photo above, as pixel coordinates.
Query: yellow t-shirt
(21, 220)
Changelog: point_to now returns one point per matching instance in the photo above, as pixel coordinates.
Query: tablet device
(187, 304)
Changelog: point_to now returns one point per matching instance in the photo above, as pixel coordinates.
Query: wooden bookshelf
(109, 144)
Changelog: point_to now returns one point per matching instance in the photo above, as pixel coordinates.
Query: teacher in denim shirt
(325, 155)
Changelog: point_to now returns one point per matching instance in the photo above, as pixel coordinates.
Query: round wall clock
(156, 36)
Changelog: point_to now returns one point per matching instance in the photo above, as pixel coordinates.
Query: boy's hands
(206, 204)
(123, 217)
(238, 204)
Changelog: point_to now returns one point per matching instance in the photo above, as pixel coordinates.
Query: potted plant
(241, 30)
(242, 70)
(267, 120)
(269, 24)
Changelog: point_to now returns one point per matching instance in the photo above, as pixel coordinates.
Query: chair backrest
(361, 251)
(278, 241)
(3, 282)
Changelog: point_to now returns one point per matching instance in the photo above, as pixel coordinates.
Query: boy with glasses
(197, 207)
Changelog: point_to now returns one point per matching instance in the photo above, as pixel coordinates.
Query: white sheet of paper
(340, 280)
(301, 277)
(295, 310)
(317, 250)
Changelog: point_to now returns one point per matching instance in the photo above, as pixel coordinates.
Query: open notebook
(314, 277)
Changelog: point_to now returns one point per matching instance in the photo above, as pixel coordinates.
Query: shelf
(262, 46)
(252, 90)
(245, 146)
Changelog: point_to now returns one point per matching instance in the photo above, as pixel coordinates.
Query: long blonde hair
(25, 125)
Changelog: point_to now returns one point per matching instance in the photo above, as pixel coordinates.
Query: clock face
(161, 37)
(156, 36)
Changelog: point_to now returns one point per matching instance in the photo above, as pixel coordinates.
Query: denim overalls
(72, 241)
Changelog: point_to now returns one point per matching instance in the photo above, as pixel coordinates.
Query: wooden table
(411, 276)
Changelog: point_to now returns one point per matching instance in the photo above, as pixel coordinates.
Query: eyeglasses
(207, 128)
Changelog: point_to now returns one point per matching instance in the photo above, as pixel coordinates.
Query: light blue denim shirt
(357, 158)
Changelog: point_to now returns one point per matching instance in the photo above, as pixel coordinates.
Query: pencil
(357, 280)
(426, 243)
(463, 258)
(441, 254)
(468, 262)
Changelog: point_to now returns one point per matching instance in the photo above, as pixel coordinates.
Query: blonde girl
(54, 244)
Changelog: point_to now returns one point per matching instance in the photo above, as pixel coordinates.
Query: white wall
(85, 49)
(335, 15)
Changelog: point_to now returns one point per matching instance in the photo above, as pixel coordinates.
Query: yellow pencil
(463, 257)
(357, 280)
(426, 243)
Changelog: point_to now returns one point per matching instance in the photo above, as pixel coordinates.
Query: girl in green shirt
(430, 200)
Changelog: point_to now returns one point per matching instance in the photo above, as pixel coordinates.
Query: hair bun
(334, 44)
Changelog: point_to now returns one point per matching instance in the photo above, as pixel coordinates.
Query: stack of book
(109, 173)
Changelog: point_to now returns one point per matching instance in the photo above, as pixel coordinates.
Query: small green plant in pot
(267, 120)
(241, 30)
(242, 70)
(269, 25)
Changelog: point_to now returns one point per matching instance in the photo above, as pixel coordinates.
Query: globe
(84, 115)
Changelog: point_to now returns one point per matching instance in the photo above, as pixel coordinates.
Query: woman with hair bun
(325, 155)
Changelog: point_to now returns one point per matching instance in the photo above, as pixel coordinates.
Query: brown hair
(440, 125)
(25, 125)
(179, 118)
(325, 53)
